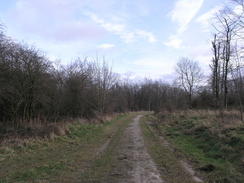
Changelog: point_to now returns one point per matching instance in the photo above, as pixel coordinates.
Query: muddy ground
(136, 165)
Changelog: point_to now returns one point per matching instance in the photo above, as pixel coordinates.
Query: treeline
(223, 88)
(32, 88)
(227, 63)
(226, 79)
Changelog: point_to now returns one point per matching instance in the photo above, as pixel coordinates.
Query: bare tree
(216, 69)
(237, 77)
(226, 28)
(189, 76)
(105, 80)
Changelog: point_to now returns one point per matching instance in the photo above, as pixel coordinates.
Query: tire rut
(135, 163)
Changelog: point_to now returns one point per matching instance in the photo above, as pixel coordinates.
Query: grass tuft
(215, 148)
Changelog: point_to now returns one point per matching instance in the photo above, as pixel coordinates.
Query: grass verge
(167, 161)
(105, 167)
(62, 159)
(213, 148)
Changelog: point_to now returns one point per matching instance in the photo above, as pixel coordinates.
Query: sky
(138, 38)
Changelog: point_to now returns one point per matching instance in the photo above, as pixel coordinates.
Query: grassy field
(69, 158)
(167, 161)
(91, 152)
(215, 147)
(104, 168)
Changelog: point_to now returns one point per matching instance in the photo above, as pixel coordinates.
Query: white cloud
(184, 11)
(112, 27)
(115, 28)
(128, 37)
(58, 25)
(154, 65)
(50, 20)
(174, 42)
(205, 18)
(122, 31)
(106, 46)
(238, 10)
(147, 35)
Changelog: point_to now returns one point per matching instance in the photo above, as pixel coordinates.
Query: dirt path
(125, 158)
(136, 165)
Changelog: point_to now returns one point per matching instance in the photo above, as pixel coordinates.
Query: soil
(135, 164)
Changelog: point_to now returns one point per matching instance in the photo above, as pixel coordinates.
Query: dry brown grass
(210, 118)
(35, 129)
(208, 139)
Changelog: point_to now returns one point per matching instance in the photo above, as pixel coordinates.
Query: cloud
(238, 9)
(58, 25)
(184, 11)
(52, 20)
(154, 65)
(64, 21)
(106, 46)
(75, 31)
(147, 35)
(122, 30)
(113, 27)
(205, 18)
(174, 42)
